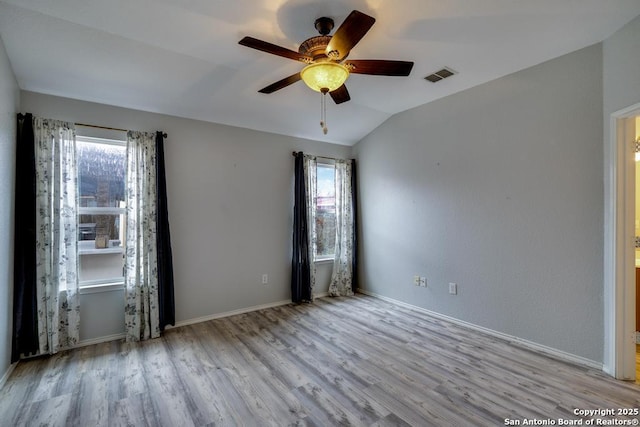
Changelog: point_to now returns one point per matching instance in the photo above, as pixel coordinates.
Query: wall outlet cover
(453, 288)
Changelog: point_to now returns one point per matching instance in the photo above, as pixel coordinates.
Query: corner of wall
(9, 106)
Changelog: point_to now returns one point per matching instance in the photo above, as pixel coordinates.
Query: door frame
(619, 246)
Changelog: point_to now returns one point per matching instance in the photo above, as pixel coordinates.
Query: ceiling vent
(439, 75)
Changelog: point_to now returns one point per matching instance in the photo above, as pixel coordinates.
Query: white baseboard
(229, 313)
(543, 349)
(100, 340)
(115, 337)
(239, 311)
(7, 374)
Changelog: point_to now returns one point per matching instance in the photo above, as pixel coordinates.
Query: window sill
(105, 287)
(103, 251)
(323, 260)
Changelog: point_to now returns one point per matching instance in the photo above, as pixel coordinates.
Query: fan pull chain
(323, 112)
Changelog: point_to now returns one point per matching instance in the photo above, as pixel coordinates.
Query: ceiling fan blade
(349, 34)
(379, 67)
(273, 49)
(281, 83)
(340, 95)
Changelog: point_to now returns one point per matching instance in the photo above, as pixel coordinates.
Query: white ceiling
(182, 57)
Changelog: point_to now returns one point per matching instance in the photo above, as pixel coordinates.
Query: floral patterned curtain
(141, 263)
(342, 276)
(310, 174)
(57, 288)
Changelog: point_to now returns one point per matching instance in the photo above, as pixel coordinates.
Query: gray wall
(498, 189)
(230, 211)
(9, 104)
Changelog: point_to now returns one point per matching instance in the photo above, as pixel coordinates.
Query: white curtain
(141, 261)
(310, 174)
(342, 276)
(56, 235)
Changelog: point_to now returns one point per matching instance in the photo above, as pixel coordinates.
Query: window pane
(101, 170)
(104, 267)
(325, 211)
(109, 226)
(326, 229)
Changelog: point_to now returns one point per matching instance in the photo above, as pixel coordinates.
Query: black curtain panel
(166, 301)
(354, 255)
(301, 262)
(25, 320)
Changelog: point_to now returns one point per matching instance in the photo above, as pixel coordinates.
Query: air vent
(439, 75)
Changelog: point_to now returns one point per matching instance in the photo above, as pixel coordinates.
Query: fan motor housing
(315, 47)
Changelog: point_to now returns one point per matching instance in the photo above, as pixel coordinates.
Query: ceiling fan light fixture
(324, 75)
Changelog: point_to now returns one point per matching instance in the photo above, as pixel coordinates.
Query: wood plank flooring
(356, 361)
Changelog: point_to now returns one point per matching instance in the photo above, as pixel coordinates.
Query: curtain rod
(100, 127)
(22, 116)
(322, 157)
(164, 134)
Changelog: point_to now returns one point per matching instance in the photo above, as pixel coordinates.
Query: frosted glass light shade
(324, 75)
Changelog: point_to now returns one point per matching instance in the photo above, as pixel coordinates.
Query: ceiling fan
(327, 67)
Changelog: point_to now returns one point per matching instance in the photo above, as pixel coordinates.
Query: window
(101, 210)
(325, 211)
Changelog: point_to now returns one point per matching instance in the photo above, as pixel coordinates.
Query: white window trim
(103, 286)
(91, 139)
(102, 251)
(101, 211)
(325, 161)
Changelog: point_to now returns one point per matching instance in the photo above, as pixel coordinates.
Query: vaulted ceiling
(182, 57)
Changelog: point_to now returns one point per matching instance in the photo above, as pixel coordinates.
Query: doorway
(620, 246)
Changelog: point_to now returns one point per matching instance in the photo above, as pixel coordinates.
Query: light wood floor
(340, 361)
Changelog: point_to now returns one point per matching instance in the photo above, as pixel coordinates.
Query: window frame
(323, 162)
(108, 283)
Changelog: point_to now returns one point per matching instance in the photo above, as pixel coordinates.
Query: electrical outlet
(453, 288)
(423, 282)
(265, 279)
(416, 280)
